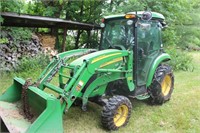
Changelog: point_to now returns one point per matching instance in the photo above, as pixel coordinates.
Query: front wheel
(116, 112)
(162, 85)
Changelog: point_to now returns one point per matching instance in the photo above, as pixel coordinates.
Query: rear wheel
(162, 85)
(116, 112)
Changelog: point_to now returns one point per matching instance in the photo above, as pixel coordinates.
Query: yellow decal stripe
(130, 78)
(111, 62)
(104, 56)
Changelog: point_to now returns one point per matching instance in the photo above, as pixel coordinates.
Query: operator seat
(143, 48)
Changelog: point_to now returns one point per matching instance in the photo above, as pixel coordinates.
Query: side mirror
(146, 16)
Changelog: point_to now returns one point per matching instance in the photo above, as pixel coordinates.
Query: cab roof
(155, 15)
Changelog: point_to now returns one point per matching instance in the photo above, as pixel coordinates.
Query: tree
(88, 11)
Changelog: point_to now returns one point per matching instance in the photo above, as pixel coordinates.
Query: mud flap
(45, 108)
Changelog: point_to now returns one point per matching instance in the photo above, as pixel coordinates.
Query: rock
(35, 37)
(11, 53)
(162, 124)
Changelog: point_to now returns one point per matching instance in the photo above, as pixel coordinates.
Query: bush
(170, 37)
(15, 35)
(180, 60)
(28, 67)
(28, 63)
(190, 37)
(20, 34)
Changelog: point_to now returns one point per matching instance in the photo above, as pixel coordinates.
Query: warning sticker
(79, 86)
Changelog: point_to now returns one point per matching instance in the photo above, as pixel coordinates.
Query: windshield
(118, 33)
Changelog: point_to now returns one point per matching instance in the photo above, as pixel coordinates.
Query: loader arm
(44, 107)
(107, 64)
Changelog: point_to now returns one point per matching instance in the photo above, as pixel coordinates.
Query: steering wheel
(108, 41)
(120, 47)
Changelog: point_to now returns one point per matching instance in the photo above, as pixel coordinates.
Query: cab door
(149, 47)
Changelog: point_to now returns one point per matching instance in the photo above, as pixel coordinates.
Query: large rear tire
(116, 112)
(162, 85)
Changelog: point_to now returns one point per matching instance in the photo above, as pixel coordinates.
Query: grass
(180, 115)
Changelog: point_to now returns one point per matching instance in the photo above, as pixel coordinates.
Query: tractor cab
(138, 32)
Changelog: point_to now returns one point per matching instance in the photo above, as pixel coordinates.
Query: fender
(161, 58)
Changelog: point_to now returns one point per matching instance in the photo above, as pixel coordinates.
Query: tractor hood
(104, 59)
(98, 57)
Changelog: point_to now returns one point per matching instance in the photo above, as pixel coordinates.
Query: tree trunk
(54, 32)
(55, 29)
(64, 39)
(68, 15)
(111, 4)
(88, 44)
(77, 39)
(79, 31)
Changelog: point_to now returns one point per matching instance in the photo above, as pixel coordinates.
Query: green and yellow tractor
(129, 63)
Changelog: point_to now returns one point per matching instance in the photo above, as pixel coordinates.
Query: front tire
(162, 85)
(116, 112)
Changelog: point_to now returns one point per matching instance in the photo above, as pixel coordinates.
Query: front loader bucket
(45, 108)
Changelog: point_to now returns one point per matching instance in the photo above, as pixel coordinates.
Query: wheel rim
(166, 85)
(121, 115)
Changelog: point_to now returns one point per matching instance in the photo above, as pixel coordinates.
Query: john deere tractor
(130, 63)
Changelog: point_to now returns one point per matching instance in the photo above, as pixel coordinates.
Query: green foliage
(15, 34)
(3, 40)
(190, 32)
(195, 40)
(50, 11)
(11, 5)
(34, 8)
(43, 30)
(28, 63)
(191, 43)
(1, 19)
(182, 17)
(180, 60)
(20, 34)
(69, 43)
(121, 6)
(170, 37)
(3, 37)
(28, 67)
